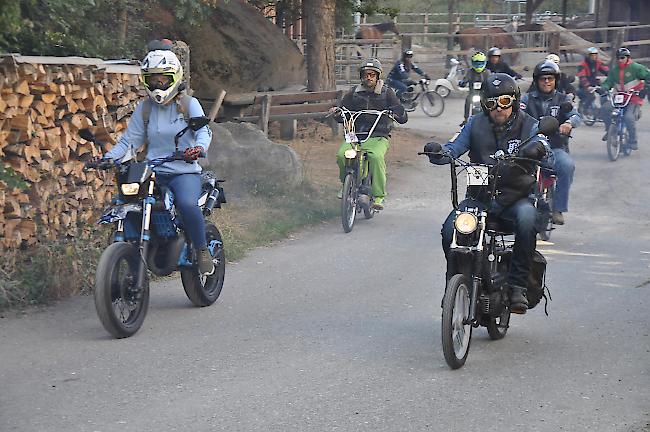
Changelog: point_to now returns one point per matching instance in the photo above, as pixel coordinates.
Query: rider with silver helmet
(496, 65)
(588, 72)
(153, 125)
(372, 94)
(501, 126)
(399, 77)
(545, 100)
(626, 75)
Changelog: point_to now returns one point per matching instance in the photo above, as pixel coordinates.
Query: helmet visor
(158, 81)
(503, 101)
(479, 64)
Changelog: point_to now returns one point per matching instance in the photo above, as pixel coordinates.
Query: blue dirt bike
(617, 136)
(149, 236)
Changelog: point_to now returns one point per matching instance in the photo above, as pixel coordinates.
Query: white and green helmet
(166, 63)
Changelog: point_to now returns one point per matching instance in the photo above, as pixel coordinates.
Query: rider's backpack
(537, 288)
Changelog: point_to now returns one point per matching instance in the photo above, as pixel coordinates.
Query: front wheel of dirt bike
(613, 145)
(456, 333)
(545, 234)
(121, 307)
(432, 103)
(205, 290)
(349, 203)
(498, 327)
(443, 91)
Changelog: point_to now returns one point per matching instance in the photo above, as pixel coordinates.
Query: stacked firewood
(44, 103)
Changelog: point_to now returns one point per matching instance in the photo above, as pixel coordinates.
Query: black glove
(533, 150)
(434, 151)
(642, 94)
(601, 91)
(193, 153)
(397, 110)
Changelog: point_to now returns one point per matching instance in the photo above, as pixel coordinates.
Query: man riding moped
(545, 100)
(588, 72)
(474, 78)
(509, 127)
(626, 75)
(399, 76)
(372, 94)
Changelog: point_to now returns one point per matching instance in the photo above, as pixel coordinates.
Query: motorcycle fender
(119, 212)
(444, 83)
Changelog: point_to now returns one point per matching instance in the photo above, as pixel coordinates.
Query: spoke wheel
(432, 103)
(456, 334)
(121, 307)
(613, 147)
(367, 207)
(205, 290)
(349, 203)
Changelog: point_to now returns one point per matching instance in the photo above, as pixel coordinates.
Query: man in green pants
(372, 94)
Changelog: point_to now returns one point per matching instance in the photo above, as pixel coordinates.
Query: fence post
(425, 28)
(554, 43)
(264, 115)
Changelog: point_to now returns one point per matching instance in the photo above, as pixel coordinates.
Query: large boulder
(241, 154)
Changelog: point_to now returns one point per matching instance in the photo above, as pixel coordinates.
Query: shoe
(206, 266)
(557, 218)
(462, 123)
(634, 145)
(378, 204)
(604, 138)
(339, 194)
(518, 300)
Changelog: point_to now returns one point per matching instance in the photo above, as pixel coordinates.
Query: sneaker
(378, 204)
(557, 218)
(339, 194)
(634, 145)
(462, 123)
(206, 266)
(518, 300)
(604, 138)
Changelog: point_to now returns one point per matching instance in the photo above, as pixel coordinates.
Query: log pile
(44, 102)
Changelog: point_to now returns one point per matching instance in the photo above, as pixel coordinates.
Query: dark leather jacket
(538, 104)
(360, 98)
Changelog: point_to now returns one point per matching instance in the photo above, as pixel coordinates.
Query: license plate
(619, 98)
(477, 175)
(477, 86)
(351, 137)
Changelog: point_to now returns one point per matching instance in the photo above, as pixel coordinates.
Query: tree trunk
(123, 24)
(320, 45)
(531, 7)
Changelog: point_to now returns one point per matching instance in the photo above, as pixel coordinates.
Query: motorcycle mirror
(197, 123)
(548, 125)
(499, 154)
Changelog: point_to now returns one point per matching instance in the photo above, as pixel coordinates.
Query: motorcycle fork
(145, 234)
(477, 271)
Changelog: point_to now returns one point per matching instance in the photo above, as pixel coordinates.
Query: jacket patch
(513, 145)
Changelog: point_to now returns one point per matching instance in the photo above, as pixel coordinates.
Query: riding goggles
(503, 101)
(153, 82)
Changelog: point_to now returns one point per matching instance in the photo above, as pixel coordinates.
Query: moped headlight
(466, 223)
(350, 153)
(476, 98)
(130, 188)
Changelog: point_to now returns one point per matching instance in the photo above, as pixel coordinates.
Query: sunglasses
(622, 58)
(546, 78)
(503, 101)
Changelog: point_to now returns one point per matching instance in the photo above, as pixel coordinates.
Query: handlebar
(106, 164)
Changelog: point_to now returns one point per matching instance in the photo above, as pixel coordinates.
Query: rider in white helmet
(156, 120)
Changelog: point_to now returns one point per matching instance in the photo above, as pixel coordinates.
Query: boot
(206, 266)
(634, 145)
(518, 300)
(558, 218)
(604, 138)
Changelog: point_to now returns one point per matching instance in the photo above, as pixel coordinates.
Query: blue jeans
(187, 190)
(399, 86)
(564, 167)
(519, 217)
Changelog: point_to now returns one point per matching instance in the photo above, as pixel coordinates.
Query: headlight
(466, 223)
(350, 153)
(130, 188)
(476, 98)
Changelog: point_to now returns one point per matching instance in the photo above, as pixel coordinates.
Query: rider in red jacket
(588, 72)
